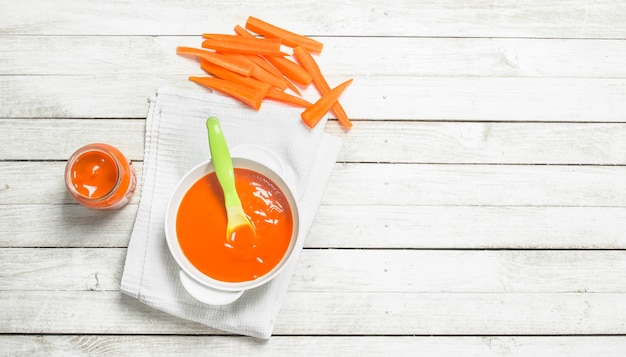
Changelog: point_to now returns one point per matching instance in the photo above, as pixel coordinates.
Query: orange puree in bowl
(201, 227)
(94, 174)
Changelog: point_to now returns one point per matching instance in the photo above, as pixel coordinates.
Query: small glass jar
(99, 176)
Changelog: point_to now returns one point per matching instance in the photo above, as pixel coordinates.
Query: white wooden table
(489, 137)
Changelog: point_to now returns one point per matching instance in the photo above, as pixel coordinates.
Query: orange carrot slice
(244, 94)
(242, 32)
(239, 44)
(265, 76)
(260, 73)
(290, 69)
(262, 62)
(287, 37)
(223, 73)
(232, 64)
(308, 62)
(313, 114)
(287, 98)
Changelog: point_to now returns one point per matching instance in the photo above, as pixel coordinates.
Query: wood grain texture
(352, 226)
(388, 184)
(342, 56)
(332, 313)
(370, 141)
(477, 185)
(45, 345)
(351, 271)
(476, 18)
(378, 98)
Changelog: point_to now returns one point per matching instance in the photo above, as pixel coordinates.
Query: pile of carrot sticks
(250, 66)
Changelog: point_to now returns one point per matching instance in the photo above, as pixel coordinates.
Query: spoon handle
(222, 162)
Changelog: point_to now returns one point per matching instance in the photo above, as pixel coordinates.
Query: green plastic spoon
(239, 229)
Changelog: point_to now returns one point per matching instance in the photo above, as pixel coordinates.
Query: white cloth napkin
(176, 141)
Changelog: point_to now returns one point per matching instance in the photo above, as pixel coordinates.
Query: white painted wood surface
(477, 208)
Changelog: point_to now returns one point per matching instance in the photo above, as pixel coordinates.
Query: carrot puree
(201, 227)
(94, 174)
(99, 176)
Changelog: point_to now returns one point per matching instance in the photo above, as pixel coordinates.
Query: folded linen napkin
(176, 141)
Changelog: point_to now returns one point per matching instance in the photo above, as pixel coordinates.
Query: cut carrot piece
(223, 73)
(265, 76)
(232, 64)
(259, 72)
(262, 62)
(287, 98)
(244, 94)
(308, 62)
(287, 37)
(313, 114)
(242, 32)
(239, 44)
(290, 69)
(291, 86)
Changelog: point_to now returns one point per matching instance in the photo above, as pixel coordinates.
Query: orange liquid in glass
(94, 174)
(99, 176)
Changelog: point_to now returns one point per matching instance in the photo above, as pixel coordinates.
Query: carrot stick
(288, 38)
(260, 73)
(223, 73)
(265, 76)
(308, 62)
(232, 64)
(244, 94)
(291, 70)
(242, 32)
(313, 114)
(287, 98)
(262, 62)
(238, 44)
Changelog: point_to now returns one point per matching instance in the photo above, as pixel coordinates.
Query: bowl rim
(192, 176)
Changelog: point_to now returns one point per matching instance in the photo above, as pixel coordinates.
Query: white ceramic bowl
(199, 285)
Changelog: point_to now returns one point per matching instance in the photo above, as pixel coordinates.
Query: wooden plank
(384, 184)
(352, 226)
(351, 271)
(459, 271)
(67, 225)
(482, 227)
(453, 314)
(34, 139)
(477, 18)
(377, 56)
(311, 313)
(476, 185)
(382, 98)
(369, 141)
(391, 185)
(41, 269)
(305, 346)
(483, 143)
